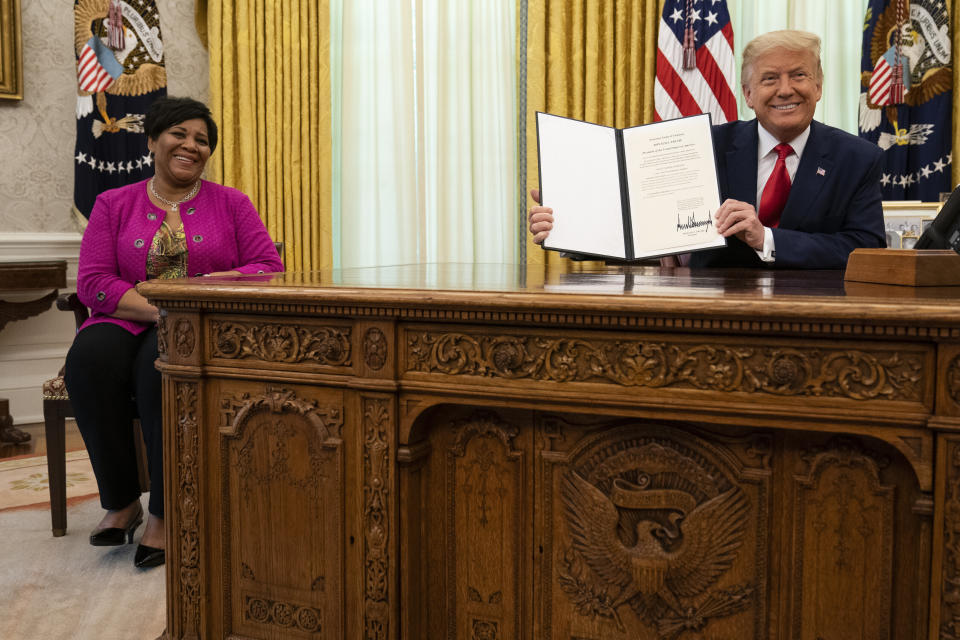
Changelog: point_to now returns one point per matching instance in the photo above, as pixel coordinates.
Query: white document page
(579, 179)
(672, 182)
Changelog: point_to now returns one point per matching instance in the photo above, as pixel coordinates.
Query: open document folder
(631, 193)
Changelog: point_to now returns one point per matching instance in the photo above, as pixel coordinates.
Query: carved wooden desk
(458, 452)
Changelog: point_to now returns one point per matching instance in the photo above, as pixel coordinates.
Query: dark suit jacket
(834, 204)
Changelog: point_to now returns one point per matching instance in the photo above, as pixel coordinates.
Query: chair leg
(55, 428)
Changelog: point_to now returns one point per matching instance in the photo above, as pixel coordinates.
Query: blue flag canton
(708, 17)
(915, 131)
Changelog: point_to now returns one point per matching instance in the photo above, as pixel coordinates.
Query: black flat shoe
(113, 536)
(146, 557)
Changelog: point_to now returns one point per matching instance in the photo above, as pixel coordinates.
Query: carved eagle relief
(679, 557)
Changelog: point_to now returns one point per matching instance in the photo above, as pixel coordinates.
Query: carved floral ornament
(162, 334)
(845, 452)
(280, 343)
(187, 503)
(376, 519)
(375, 348)
(327, 421)
(953, 379)
(653, 527)
(285, 615)
(484, 424)
(782, 371)
(485, 629)
(950, 590)
(290, 423)
(184, 338)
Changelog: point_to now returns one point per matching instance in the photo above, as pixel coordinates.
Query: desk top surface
(760, 294)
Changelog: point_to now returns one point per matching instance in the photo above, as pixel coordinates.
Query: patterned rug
(24, 483)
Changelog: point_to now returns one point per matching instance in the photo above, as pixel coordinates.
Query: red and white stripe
(707, 89)
(880, 81)
(91, 76)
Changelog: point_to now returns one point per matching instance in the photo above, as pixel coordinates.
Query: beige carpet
(65, 589)
(23, 481)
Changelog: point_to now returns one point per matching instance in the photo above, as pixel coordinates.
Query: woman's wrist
(133, 306)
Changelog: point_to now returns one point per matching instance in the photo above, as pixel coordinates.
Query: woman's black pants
(111, 378)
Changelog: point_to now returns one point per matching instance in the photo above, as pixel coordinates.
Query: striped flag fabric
(97, 67)
(879, 88)
(704, 82)
(882, 79)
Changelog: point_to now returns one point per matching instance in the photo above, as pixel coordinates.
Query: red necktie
(777, 189)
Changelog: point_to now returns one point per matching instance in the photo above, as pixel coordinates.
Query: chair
(56, 409)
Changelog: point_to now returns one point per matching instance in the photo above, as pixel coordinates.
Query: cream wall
(37, 137)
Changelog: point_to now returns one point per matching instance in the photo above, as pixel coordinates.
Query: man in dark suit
(796, 193)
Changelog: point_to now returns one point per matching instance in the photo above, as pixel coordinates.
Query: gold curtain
(592, 60)
(270, 95)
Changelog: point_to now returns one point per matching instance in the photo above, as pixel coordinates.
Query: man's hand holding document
(629, 194)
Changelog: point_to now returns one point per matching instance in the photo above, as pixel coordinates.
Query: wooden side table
(23, 279)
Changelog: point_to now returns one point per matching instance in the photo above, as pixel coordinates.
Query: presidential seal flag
(120, 73)
(906, 95)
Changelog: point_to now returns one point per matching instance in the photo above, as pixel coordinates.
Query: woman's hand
(133, 306)
(223, 273)
(540, 219)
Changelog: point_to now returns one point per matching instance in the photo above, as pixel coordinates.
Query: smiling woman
(181, 135)
(175, 224)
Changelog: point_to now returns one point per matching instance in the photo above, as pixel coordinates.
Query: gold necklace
(174, 204)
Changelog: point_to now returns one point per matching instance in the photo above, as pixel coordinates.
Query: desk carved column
(945, 605)
(177, 343)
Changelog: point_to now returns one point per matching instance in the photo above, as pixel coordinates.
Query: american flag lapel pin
(821, 171)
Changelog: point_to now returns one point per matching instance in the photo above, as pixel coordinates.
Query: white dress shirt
(766, 160)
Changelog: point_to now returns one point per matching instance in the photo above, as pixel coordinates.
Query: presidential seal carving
(654, 527)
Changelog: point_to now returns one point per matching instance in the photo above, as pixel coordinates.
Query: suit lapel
(816, 167)
(742, 166)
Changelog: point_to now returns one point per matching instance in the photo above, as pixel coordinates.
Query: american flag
(97, 67)
(883, 90)
(706, 83)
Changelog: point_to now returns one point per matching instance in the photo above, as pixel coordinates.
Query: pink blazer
(223, 233)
